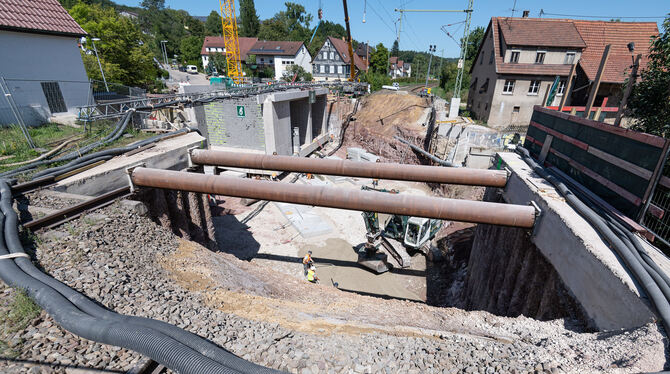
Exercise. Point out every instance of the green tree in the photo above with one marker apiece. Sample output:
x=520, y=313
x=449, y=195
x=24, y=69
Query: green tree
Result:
x=292, y=70
x=122, y=47
x=153, y=4
x=474, y=40
x=213, y=25
x=376, y=80
x=217, y=62
x=189, y=49
x=290, y=24
x=250, y=24
x=379, y=60
x=649, y=103
x=394, y=48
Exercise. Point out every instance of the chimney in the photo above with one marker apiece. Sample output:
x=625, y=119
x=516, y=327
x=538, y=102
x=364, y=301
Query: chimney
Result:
x=525, y=13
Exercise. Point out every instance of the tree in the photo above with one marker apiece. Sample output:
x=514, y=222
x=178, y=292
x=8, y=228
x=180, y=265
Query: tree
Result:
x=474, y=40
x=290, y=24
x=379, y=60
x=292, y=70
x=394, y=48
x=153, y=4
x=250, y=25
x=217, y=62
x=189, y=49
x=122, y=47
x=213, y=24
x=649, y=102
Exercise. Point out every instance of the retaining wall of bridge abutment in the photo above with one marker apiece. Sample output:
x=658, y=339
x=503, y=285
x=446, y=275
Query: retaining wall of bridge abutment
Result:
x=560, y=268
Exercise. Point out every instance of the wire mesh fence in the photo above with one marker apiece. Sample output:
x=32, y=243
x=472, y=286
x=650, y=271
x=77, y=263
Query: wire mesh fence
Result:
x=33, y=102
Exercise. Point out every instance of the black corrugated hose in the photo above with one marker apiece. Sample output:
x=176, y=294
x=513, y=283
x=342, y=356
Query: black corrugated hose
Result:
x=653, y=280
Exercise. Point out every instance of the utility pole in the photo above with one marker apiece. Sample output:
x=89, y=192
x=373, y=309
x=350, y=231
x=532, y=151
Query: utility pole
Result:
x=439, y=71
x=402, y=11
x=431, y=49
x=455, y=103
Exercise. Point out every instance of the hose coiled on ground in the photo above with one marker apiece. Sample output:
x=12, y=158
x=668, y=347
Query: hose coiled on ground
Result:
x=165, y=343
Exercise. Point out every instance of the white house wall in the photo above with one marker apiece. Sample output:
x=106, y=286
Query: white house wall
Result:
x=29, y=59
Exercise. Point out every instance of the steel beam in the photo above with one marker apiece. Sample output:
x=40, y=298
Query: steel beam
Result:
x=413, y=173
x=341, y=198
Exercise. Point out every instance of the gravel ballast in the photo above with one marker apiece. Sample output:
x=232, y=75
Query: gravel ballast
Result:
x=118, y=259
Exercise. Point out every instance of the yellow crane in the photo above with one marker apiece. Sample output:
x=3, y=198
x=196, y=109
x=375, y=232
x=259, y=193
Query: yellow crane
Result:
x=230, y=40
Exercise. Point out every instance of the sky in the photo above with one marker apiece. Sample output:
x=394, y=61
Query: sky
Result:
x=419, y=30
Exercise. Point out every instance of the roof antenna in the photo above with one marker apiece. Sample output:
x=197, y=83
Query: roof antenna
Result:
x=365, y=6
x=513, y=8
x=541, y=12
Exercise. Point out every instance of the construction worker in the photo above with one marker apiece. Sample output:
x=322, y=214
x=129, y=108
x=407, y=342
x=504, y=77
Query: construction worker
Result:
x=311, y=275
x=307, y=262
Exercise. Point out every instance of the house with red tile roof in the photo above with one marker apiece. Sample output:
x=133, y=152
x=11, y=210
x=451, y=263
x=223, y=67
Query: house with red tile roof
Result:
x=333, y=62
x=520, y=58
x=278, y=55
x=41, y=62
x=281, y=54
x=399, y=68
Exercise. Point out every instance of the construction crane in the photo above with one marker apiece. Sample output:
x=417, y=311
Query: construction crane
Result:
x=352, y=73
x=230, y=39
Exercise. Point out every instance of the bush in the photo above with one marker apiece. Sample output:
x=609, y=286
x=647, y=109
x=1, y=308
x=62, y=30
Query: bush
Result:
x=376, y=80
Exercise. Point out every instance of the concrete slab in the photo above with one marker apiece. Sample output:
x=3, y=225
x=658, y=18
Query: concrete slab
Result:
x=587, y=266
x=168, y=154
x=304, y=219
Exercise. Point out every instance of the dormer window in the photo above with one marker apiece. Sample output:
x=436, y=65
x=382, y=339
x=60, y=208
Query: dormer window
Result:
x=569, y=58
x=539, y=58
x=514, y=57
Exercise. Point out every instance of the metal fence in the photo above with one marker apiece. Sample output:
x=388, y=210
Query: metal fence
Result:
x=657, y=215
x=33, y=102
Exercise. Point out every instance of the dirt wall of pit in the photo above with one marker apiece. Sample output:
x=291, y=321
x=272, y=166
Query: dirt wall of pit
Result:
x=508, y=276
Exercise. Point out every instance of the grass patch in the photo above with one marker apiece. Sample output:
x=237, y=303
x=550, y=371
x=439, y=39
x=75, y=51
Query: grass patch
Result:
x=12, y=141
x=22, y=310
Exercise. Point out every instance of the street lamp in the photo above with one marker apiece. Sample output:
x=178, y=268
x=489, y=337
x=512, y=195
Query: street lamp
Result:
x=99, y=64
x=431, y=49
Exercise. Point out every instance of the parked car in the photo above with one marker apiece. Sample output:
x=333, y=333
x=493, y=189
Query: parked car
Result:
x=182, y=68
x=192, y=69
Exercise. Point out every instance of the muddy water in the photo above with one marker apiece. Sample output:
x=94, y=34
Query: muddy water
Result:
x=336, y=263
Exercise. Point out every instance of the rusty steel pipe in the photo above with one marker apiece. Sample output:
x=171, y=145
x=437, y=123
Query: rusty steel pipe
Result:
x=341, y=198
x=413, y=173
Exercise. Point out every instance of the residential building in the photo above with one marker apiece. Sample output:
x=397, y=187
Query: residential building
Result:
x=398, y=68
x=281, y=54
x=216, y=44
x=520, y=58
x=41, y=63
x=332, y=62
x=128, y=14
x=364, y=51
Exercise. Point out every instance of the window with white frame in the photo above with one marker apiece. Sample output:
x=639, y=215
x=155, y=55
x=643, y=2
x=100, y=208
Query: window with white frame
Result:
x=322, y=69
x=339, y=69
x=569, y=58
x=325, y=55
x=332, y=69
x=561, y=88
x=514, y=56
x=508, y=87
x=332, y=55
x=534, y=87
x=539, y=57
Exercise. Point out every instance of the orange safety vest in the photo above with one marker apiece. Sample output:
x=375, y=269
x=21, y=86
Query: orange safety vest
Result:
x=307, y=259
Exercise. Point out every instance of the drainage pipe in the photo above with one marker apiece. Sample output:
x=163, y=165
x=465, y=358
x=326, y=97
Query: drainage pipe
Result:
x=427, y=154
x=413, y=173
x=342, y=198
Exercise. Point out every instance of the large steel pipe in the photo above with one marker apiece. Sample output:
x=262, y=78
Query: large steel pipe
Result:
x=414, y=173
x=342, y=198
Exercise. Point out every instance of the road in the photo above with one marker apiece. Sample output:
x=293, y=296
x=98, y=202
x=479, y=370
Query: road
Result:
x=180, y=76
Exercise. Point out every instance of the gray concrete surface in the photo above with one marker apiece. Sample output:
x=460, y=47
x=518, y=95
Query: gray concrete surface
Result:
x=587, y=266
x=168, y=154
